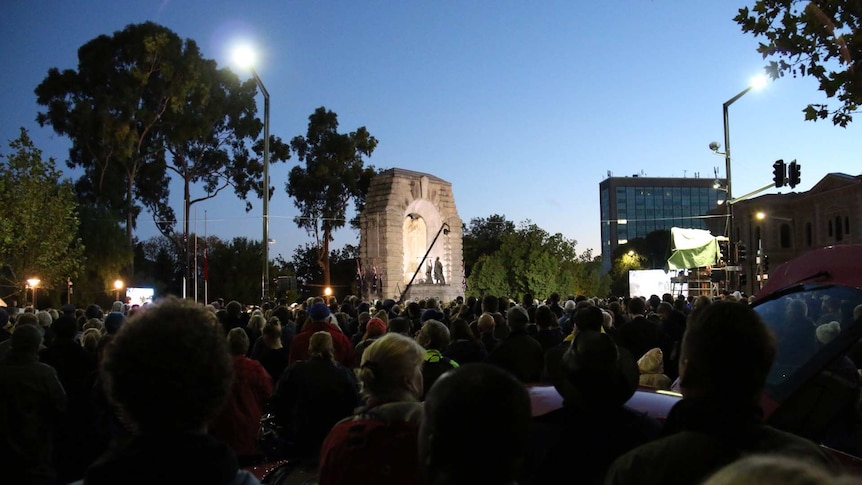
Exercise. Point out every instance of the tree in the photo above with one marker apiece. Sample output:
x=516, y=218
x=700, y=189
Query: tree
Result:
x=332, y=177
x=111, y=108
x=813, y=38
x=208, y=143
x=588, y=277
x=529, y=260
x=627, y=257
x=106, y=253
x=143, y=103
x=39, y=227
x=483, y=236
x=159, y=265
x=309, y=274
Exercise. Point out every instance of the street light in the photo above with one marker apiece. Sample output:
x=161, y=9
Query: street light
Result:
x=118, y=285
x=244, y=56
x=756, y=83
x=33, y=283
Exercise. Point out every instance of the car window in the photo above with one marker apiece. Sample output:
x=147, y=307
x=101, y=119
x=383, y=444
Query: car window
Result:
x=812, y=328
x=814, y=382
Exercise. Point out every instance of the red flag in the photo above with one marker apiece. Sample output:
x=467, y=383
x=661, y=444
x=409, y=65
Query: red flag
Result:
x=206, y=265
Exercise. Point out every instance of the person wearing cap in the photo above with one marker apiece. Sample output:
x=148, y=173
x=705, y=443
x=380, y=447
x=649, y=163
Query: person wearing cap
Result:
x=593, y=427
x=319, y=320
x=374, y=329
x=727, y=353
x=32, y=400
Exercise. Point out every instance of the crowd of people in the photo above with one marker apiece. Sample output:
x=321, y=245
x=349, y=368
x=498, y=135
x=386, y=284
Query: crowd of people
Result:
x=385, y=392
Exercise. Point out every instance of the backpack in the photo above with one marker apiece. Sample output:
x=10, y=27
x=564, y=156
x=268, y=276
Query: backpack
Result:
x=378, y=446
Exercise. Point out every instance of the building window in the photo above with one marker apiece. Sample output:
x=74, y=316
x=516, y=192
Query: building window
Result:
x=785, y=236
x=846, y=225
x=839, y=232
x=808, y=234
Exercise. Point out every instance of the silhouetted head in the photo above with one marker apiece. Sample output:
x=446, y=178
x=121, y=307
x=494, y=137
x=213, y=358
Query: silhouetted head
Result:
x=475, y=426
x=727, y=352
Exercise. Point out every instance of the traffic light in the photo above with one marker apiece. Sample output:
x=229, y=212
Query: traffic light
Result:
x=740, y=252
x=765, y=261
x=743, y=279
x=779, y=173
x=794, y=174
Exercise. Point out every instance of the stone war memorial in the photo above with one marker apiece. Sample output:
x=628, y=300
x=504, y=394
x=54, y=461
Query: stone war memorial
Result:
x=410, y=239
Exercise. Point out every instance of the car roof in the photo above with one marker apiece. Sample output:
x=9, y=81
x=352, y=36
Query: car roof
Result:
x=840, y=265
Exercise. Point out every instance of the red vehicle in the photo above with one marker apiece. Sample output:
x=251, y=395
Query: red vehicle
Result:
x=805, y=394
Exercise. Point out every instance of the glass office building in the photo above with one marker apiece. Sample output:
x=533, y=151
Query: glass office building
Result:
x=633, y=207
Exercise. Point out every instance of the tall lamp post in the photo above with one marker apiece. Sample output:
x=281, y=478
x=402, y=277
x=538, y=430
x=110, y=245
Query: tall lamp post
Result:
x=245, y=56
x=756, y=83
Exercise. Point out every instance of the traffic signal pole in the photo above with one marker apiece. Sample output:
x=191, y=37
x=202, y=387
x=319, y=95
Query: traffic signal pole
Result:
x=750, y=194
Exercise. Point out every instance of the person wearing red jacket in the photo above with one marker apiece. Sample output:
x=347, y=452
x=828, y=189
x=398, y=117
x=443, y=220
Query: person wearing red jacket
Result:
x=318, y=320
x=239, y=420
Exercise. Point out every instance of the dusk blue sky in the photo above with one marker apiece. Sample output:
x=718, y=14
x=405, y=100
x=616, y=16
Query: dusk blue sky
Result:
x=523, y=106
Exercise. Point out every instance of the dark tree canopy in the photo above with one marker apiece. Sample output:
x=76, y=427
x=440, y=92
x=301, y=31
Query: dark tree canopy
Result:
x=309, y=274
x=144, y=103
x=39, y=222
x=528, y=259
x=819, y=38
x=484, y=236
x=333, y=175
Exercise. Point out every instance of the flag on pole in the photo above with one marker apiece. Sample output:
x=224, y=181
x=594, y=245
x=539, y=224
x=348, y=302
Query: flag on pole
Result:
x=206, y=265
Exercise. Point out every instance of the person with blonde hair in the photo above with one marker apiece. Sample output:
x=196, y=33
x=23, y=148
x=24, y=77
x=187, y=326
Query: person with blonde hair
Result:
x=254, y=329
x=94, y=323
x=380, y=442
x=90, y=341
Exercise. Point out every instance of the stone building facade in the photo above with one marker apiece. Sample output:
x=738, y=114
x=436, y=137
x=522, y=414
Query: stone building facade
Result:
x=783, y=226
x=409, y=221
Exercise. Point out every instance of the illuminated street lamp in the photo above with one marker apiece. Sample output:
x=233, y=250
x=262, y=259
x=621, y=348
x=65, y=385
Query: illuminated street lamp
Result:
x=244, y=56
x=757, y=82
x=118, y=285
x=33, y=283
